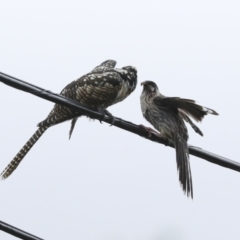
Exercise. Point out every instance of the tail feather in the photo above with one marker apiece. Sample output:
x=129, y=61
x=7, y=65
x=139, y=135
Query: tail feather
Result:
x=72, y=126
x=187, y=119
x=183, y=166
x=196, y=111
x=22, y=153
x=58, y=115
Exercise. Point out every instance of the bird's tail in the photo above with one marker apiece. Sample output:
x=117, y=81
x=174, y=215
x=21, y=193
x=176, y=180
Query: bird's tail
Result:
x=183, y=165
x=72, y=126
x=22, y=153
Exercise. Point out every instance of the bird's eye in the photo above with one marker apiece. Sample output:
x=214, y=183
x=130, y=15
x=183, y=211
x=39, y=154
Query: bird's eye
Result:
x=152, y=88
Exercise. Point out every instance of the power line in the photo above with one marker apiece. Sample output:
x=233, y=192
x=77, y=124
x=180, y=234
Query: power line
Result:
x=17, y=232
x=128, y=126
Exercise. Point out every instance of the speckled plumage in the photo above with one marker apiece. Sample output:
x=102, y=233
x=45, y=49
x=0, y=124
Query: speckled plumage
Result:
x=104, y=86
x=167, y=115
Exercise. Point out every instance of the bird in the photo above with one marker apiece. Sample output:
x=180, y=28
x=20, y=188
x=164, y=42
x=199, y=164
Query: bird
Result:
x=103, y=67
x=167, y=115
x=104, y=86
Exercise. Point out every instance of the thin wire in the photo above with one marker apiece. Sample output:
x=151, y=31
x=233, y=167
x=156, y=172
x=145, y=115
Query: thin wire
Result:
x=120, y=123
x=17, y=232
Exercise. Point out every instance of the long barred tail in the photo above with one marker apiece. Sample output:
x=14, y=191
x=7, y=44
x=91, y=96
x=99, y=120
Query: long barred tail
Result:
x=183, y=165
x=22, y=153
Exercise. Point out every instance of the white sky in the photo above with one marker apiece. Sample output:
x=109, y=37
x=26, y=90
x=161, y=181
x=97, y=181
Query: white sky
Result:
x=107, y=183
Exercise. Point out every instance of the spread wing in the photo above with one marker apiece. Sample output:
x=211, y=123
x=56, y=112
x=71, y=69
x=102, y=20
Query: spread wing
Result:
x=197, y=112
x=185, y=117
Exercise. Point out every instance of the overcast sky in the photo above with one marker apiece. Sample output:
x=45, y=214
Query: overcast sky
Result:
x=106, y=183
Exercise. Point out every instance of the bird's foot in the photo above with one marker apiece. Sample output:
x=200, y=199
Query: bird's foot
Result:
x=106, y=112
x=103, y=115
x=150, y=131
x=156, y=133
x=111, y=116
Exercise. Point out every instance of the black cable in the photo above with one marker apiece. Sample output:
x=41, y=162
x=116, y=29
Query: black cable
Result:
x=128, y=126
x=17, y=232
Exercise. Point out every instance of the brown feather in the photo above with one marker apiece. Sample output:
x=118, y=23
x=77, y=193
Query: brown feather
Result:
x=197, y=112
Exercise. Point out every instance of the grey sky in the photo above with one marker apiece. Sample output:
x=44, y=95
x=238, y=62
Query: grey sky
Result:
x=107, y=183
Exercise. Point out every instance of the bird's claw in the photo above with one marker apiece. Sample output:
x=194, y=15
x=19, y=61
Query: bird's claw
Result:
x=103, y=117
x=106, y=112
x=160, y=135
x=150, y=131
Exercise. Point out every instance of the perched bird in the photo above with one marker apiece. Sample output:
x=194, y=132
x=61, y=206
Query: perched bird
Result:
x=103, y=67
x=104, y=86
x=167, y=115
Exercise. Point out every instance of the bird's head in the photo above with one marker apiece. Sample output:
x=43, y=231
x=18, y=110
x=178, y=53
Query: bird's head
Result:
x=150, y=88
x=131, y=76
x=132, y=71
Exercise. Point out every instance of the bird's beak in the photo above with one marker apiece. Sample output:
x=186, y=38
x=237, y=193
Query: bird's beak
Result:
x=143, y=83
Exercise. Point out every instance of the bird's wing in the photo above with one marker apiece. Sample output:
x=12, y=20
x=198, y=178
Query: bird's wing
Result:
x=185, y=117
x=106, y=65
x=162, y=104
x=188, y=106
x=69, y=90
x=98, y=90
x=92, y=90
